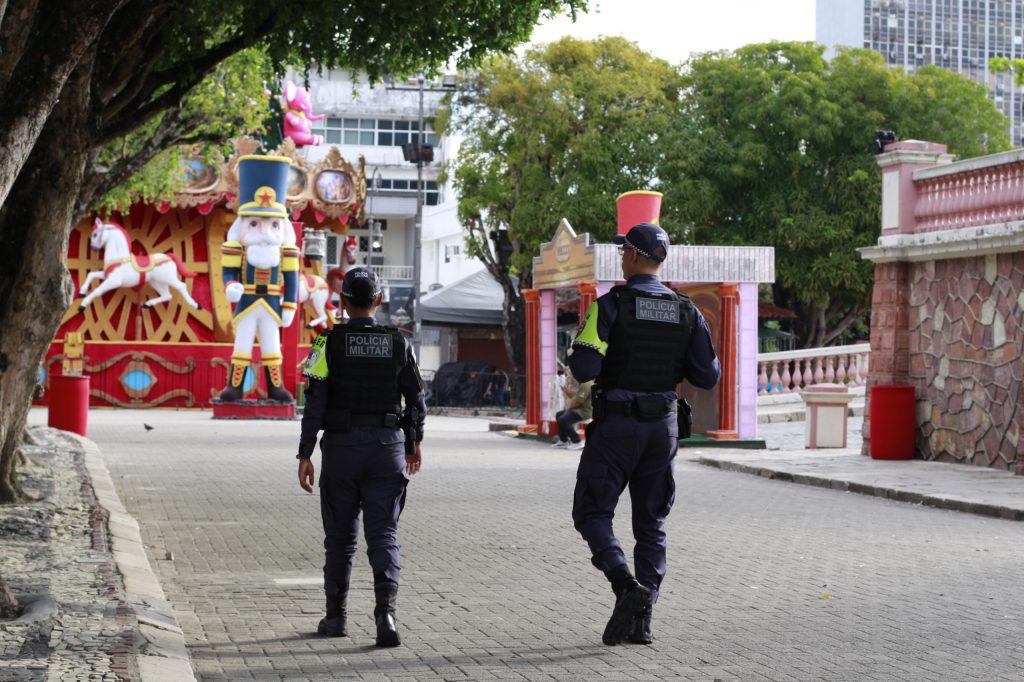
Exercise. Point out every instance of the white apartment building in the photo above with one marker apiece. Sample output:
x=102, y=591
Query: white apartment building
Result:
x=960, y=35
x=375, y=121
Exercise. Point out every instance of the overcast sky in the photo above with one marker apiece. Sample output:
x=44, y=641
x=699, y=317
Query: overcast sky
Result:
x=672, y=29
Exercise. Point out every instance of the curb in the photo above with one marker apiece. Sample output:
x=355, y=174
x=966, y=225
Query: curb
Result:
x=896, y=494
x=162, y=655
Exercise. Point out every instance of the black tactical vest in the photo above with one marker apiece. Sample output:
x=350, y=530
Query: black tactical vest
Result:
x=363, y=370
x=648, y=341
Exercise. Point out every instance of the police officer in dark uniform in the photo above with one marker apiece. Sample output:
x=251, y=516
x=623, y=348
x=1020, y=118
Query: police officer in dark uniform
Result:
x=639, y=341
x=358, y=374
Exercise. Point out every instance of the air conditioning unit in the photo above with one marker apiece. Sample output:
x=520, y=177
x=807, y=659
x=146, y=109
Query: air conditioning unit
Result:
x=375, y=259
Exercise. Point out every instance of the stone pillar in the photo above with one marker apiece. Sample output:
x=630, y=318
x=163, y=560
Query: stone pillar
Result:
x=899, y=194
x=533, y=369
x=889, y=361
x=730, y=296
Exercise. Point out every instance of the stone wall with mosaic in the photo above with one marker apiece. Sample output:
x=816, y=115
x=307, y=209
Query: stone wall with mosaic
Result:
x=947, y=309
x=966, y=333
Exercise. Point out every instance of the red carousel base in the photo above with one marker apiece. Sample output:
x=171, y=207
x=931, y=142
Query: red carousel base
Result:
x=253, y=409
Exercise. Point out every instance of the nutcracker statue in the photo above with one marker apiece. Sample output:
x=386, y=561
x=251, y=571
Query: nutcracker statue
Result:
x=261, y=264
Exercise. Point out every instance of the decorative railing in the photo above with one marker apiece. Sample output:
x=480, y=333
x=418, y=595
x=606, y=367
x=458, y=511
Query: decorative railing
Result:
x=790, y=371
x=394, y=273
x=979, y=191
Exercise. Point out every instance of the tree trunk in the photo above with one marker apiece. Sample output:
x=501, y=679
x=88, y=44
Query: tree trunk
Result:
x=35, y=288
x=60, y=41
x=513, y=331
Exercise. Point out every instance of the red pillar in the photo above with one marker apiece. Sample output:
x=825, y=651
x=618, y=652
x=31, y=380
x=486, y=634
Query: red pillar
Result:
x=290, y=335
x=290, y=355
x=730, y=299
x=533, y=369
x=588, y=293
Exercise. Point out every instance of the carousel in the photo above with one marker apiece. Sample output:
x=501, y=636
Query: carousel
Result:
x=158, y=314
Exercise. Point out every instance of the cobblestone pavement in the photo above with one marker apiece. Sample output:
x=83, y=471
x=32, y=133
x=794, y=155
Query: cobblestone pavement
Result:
x=54, y=548
x=767, y=581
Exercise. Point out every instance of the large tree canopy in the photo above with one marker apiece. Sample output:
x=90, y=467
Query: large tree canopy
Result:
x=558, y=133
x=93, y=91
x=775, y=148
x=768, y=145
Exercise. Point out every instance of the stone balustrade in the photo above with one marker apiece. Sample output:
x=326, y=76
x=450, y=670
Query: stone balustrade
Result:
x=981, y=191
x=791, y=371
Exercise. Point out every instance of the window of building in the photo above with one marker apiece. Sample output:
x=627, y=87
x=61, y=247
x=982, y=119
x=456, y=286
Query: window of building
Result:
x=363, y=236
x=373, y=132
x=431, y=192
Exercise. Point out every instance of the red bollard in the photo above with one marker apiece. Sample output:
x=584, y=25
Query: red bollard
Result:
x=69, y=403
x=893, y=427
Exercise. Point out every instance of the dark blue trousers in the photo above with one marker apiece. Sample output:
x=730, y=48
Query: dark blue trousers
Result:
x=361, y=472
x=622, y=451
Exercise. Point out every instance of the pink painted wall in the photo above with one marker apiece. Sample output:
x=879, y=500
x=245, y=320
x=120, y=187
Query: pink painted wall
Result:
x=548, y=347
x=746, y=362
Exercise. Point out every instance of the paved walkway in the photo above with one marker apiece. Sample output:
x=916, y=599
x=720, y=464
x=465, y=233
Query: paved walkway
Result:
x=768, y=581
x=958, y=487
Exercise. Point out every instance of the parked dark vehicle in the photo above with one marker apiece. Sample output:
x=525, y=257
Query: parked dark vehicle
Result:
x=461, y=384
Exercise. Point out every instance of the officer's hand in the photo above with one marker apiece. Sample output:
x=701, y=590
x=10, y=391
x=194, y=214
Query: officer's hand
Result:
x=233, y=292
x=306, y=474
x=287, y=316
x=413, y=461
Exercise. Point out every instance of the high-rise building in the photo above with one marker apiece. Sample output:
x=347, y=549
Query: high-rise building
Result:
x=960, y=35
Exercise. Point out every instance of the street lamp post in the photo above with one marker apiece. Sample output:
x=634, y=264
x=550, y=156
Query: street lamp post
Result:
x=418, y=235
x=418, y=152
x=372, y=225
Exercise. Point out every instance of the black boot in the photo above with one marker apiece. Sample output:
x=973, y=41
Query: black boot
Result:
x=384, y=615
x=275, y=387
x=641, y=633
x=232, y=393
x=333, y=623
x=633, y=601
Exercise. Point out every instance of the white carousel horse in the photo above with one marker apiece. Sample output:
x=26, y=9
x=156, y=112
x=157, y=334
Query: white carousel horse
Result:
x=122, y=268
x=313, y=288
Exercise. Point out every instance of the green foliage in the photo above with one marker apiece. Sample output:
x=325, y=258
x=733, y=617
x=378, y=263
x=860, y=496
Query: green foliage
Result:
x=774, y=149
x=768, y=145
x=202, y=42
x=231, y=101
x=368, y=36
x=558, y=133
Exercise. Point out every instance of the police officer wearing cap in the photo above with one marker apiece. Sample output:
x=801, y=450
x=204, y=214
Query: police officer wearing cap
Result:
x=358, y=375
x=639, y=341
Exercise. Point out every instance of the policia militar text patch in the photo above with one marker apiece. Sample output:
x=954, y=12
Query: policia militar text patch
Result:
x=368, y=345
x=657, y=310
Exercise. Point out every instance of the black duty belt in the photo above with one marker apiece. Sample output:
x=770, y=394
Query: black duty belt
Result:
x=343, y=421
x=389, y=420
x=641, y=407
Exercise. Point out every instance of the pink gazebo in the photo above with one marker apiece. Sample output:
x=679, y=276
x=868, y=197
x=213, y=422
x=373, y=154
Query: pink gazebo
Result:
x=721, y=280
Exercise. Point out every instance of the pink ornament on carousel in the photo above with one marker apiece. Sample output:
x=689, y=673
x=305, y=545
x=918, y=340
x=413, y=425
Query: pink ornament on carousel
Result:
x=298, y=116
